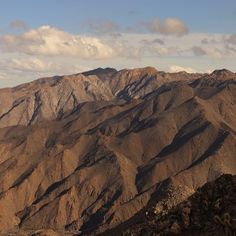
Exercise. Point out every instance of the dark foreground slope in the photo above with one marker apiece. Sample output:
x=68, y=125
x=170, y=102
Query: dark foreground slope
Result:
x=85, y=153
x=209, y=211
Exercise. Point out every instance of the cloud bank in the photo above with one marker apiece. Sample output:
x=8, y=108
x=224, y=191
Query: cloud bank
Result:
x=167, y=45
x=50, y=41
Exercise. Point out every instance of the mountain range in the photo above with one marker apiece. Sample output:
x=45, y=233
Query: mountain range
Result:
x=82, y=154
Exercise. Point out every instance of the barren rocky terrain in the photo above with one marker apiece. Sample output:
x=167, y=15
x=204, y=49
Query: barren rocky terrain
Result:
x=84, y=153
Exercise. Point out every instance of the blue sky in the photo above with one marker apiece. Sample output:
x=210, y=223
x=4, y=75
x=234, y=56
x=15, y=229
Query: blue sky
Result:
x=170, y=35
x=202, y=16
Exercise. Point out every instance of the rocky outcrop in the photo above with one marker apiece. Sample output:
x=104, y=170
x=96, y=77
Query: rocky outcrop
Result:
x=209, y=211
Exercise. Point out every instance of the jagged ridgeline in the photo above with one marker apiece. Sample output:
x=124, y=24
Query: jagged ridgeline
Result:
x=85, y=153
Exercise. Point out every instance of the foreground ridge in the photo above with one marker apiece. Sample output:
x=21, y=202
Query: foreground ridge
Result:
x=209, y=211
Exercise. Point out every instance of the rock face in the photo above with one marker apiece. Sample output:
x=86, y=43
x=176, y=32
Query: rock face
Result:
x=85, y=153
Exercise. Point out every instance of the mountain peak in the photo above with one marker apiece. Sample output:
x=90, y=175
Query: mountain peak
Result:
x=223, y=73
x=143, y=70
x=100, y=71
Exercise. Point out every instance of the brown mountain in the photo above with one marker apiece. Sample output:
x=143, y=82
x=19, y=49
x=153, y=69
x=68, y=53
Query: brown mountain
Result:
x=85, y=153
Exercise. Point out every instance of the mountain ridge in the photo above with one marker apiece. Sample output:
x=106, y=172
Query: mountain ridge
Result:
x=85, y=153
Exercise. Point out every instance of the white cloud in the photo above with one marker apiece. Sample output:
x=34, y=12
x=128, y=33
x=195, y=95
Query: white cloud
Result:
x=41, y=67
x=50, y=41
x=47, y=51
x=230, y=49
x=159, y=51
x=214, y=52
x=175, y=68
x=3, y=76
x=28, y=65
x=168, y=26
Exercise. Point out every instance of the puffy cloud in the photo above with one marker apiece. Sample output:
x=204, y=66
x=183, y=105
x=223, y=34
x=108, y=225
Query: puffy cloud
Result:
x=175, y=68
x=169, y=26
x=50, y=41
